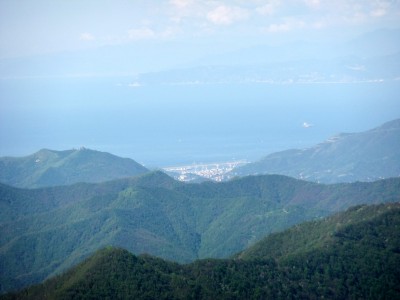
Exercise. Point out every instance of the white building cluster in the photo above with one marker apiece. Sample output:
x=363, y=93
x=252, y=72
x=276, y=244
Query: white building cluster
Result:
x=212, y=171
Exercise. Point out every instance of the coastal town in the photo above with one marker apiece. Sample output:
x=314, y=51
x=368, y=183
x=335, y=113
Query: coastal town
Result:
x=218, y=171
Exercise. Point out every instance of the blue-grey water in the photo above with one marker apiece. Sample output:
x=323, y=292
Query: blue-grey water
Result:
x=164, y=125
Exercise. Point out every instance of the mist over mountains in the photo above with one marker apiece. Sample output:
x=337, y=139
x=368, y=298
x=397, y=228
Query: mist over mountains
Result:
x=299, y=62
x=365, y=57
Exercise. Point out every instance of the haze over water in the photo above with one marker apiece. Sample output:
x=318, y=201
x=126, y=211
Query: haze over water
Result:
x=246, y=122
x=178, y=82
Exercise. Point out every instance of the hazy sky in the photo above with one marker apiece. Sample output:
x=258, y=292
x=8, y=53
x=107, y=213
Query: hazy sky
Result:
x=42, y=26
x=71, y=75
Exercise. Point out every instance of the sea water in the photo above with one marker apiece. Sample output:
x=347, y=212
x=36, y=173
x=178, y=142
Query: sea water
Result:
x=167, y=125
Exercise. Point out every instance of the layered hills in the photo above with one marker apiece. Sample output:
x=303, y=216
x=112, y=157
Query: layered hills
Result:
x=45, y=231
x=347, y=157
x=350, y=255
x=51, y=168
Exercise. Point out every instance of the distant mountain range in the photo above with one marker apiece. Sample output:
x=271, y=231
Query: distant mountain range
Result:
x=45, y=231
x=354, y=254
x=367, y=57
x=373, y=57
x=347, y=157
x=51, y=168
x=339, y=70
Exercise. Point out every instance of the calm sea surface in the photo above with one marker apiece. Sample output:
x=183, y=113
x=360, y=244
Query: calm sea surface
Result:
x=170, y=125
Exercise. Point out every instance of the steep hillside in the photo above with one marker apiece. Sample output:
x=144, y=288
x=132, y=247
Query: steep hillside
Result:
x=350, y=157
x=352, y=255
x=52, y=168
x=362, y=222
x=45, y=231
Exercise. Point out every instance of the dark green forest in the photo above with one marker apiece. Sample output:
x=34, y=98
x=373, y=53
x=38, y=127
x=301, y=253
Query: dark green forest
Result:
x=350, y=255
x=43, y=232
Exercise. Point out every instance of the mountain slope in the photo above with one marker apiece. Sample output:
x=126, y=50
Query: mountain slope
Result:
x=110, y=272
x=45, y=231
x=364, y=156
x=51, y=168
x=358, y=259
x=311, y=236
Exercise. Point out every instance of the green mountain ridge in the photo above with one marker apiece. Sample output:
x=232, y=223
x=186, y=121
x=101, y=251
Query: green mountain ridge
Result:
x=51, y=168
x=347, y=157
x=313, y=235
x=351, y=255
x=45, y=231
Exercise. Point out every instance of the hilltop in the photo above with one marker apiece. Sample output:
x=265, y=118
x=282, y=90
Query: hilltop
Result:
x=52, y=168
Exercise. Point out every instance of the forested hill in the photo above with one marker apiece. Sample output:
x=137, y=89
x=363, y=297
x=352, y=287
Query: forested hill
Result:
x=376, y=224
x=52, y=168
x=347, y=157
x=351, y=255
x=45, y=231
